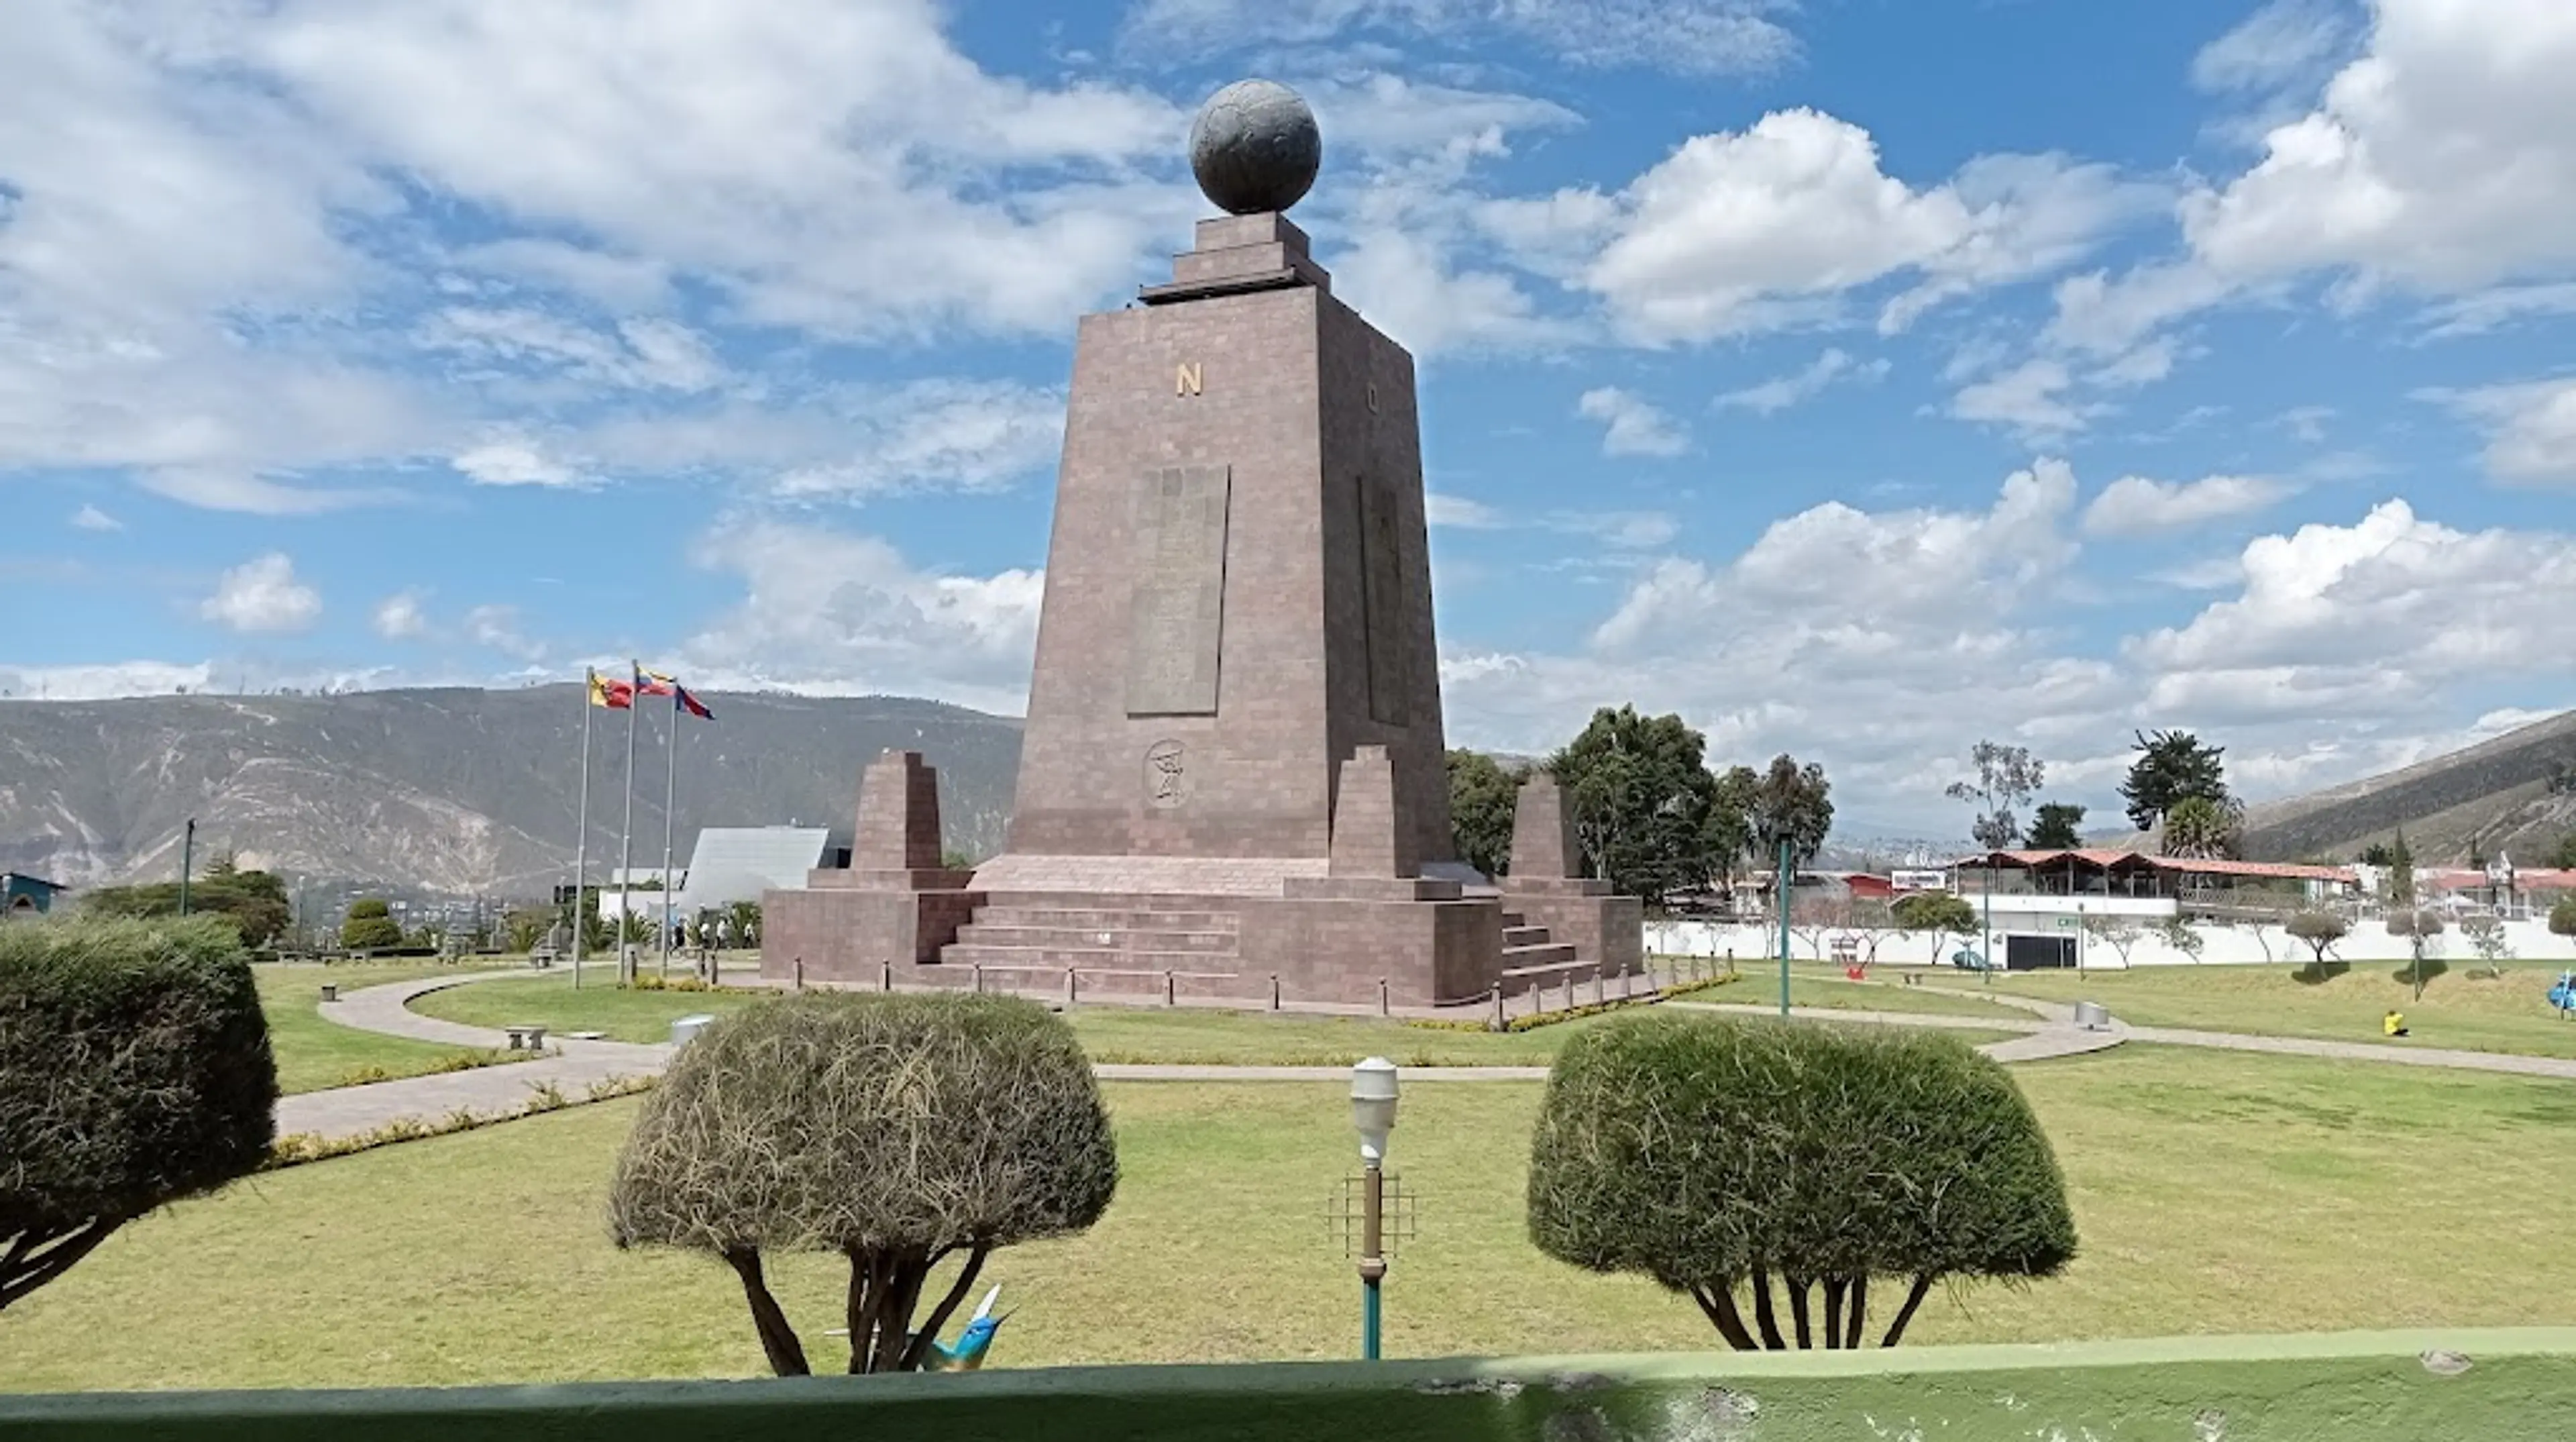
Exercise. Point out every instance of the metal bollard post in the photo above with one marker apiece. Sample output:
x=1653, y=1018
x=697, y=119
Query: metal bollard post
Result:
x=1500, y=1021
x=1274, y=991
x=1168, y=997
x=885, y=976
x=1382, y=1008
x=800, y=973
x=1069, y=986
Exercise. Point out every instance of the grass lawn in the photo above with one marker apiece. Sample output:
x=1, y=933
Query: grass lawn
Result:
x=2215, y=1193
x=1812, y=985
x=1144, y=1034
x=313, y=1054
x=2473, y=1013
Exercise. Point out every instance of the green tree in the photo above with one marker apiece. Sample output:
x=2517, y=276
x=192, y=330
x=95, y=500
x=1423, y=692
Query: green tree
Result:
x=1641, y=794
x=2376, y=854
x=2564, y=857
x=2120, y=933
x=2172, y=767
x=2182, y=936
x=1483, y=795
x=2486, y=935
x=745, y=916
x=253, y=902
x=2198, y=826
x=2404, y=916
x=2006, y=779
x=1934, y=912
x=1793, y=803
x=2319, y=929
x=134, y=1072
x=1730, y=822
x=898, y=1131
x=2057, y=826
x=370, y=926
x=2562, y=916
x=1738, y=1161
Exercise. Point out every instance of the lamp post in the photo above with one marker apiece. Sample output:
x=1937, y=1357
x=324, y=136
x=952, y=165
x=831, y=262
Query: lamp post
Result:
x=187, y=863
x=1373, y=1114
x=1787, y=880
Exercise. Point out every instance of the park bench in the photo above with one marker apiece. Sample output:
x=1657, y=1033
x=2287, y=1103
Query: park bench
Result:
x=526, y=1036
x=542, y=958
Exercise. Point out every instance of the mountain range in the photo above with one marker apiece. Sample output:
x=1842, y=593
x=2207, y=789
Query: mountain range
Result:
x=451, y=792
x=2513, y=794
x=457, y=792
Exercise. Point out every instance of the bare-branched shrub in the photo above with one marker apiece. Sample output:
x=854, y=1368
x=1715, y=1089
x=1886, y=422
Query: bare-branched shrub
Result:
x=896, y=1130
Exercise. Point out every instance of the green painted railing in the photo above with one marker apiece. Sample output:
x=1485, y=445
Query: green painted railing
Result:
x=2452, y=1386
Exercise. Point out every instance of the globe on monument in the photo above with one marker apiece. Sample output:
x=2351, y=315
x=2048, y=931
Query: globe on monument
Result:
x=1255, y=147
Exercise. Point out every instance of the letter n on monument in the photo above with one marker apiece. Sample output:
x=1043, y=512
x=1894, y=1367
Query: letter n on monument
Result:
x=1176, y=638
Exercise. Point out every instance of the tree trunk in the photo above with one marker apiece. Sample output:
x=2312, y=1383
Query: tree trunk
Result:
x=1719, y=1304
x=1913, y=1299
x=1798, y=1310
x=24, y=1268
x=777, y=1339
x=1859, y=1308
x=919, y=1350
x=1833, y=1313
x=1763, y=1316
x=905, y=1274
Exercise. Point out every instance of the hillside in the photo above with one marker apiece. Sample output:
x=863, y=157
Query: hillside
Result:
x=449, y=791
x=2496, y=796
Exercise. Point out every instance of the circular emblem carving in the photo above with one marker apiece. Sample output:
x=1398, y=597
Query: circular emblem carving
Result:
x=1167, y=777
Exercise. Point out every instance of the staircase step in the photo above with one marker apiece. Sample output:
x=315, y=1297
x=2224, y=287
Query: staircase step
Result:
x=1548, y=954
x=1056, y=958
x=1107, y=918
x=1088, y=938
x=1515, y=934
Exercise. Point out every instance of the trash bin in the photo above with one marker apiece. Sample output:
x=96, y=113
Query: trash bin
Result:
x=687, y=1027
x=2090, y=1016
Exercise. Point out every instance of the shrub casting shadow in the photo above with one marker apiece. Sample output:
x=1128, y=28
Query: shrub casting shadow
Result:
x=2318, y=973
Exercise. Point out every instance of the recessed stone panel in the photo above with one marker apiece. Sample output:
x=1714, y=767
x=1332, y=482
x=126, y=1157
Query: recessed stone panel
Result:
x=1177, y=607
x=1390, y=668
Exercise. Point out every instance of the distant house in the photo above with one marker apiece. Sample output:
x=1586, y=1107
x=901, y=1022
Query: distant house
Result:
x=27, y=895
x=738, y=863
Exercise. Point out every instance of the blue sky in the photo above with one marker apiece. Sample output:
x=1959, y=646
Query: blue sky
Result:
x=1858, y=378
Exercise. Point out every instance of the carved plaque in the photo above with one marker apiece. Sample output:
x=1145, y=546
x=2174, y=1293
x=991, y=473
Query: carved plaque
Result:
x=1167, y=776
x=1382, y=573
x=1177, y=609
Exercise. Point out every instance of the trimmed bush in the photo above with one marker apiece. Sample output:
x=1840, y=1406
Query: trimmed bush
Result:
x=1719, y=1157
x=897, y=1130
x=134, y=1071
x=370, y=926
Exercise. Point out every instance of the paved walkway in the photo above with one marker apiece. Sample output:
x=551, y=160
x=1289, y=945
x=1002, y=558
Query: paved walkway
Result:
x=349, y=1111
x=576, y=1065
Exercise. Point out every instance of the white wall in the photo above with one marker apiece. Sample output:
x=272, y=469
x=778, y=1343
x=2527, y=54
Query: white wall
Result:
x=2220, y=945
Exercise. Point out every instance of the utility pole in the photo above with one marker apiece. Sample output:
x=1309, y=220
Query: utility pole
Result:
x=1784, y=880
x=187, y=862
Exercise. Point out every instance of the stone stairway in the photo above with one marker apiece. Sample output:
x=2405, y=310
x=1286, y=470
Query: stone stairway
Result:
x=1527, y=945
x=1099, y=933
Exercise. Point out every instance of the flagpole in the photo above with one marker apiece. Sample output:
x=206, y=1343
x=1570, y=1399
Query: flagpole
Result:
x=581, y=842
x=670, y=791
x=626, y=830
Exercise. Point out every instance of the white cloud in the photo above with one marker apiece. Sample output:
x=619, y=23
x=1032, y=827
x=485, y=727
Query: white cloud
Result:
x=399, y=617
x=262, y=595
x=1634, y=426
x=642, y=352
x=2283, y=41
x=219, y=488
x=91, y=518
x=950, y=434
x=2531, y=428
x=1781, y=392
x=2442, y=159
x=1770, y=226
x=2366, y=620
x=2030, y=398
x=2136, y=506
x=1624, y=530
x=516, y=463
x=498, y=628
x=829, y=611
x=1690, y=37
x=1460, y=513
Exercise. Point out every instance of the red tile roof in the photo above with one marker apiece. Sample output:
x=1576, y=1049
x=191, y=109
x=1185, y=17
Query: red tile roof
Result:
x=2189, y=866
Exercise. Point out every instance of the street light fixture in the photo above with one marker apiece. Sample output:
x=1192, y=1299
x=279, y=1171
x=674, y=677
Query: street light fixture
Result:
x=1373, y=1093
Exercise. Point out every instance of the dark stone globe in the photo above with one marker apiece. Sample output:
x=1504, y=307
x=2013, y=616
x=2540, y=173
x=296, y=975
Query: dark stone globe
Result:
x=1255, y=147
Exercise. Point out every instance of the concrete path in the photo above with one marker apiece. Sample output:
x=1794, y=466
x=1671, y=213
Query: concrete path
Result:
x=2363, y=1051
x=2043, y=1040
x=350, y=1111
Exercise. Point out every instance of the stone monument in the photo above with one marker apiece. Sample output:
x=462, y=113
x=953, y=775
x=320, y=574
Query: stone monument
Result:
x=1233, y=777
